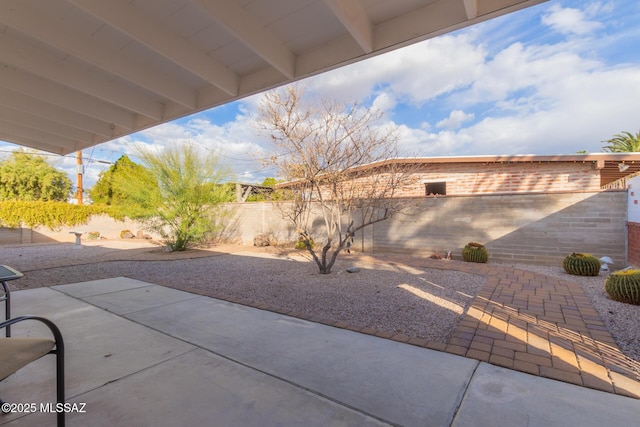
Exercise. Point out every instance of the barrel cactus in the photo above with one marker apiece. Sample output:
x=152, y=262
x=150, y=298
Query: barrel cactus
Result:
x=581, y=264
x=475, y=252
x=624, y=286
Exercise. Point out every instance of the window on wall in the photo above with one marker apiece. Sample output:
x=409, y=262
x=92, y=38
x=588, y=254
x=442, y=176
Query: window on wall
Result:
x=435, y=189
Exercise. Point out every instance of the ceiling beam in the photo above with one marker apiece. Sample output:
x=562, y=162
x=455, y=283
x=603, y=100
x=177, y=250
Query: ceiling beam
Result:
x=39, y=145
x=355, y=19
x=27, y=57
x=16, y=14
x=21, y=118
x=471, y=8
x=251, y=33
x=37, y=135
x=65, y=97
x=43, y=109
x=425, y=22
x=128, y=19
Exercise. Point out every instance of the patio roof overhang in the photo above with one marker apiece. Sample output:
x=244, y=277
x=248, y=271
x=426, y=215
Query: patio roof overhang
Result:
x=76, y=73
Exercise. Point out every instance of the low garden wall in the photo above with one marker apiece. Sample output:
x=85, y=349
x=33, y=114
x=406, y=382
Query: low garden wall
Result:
x=532, y=228
x=105, y=226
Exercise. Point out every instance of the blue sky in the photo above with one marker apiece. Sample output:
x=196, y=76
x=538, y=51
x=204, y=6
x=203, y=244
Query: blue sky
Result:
x=555, y=78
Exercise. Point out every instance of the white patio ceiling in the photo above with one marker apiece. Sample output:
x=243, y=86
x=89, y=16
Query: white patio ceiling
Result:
x=76, y=73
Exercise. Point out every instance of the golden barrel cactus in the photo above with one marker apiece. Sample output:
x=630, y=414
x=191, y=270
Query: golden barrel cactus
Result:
x=624, y=286
x=581, y=264
x=475, y=252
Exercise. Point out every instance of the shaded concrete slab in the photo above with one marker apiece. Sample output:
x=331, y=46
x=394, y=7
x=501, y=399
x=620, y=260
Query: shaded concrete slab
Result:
x=143, y=298
x=502, y=397
x=202, y=389
x=402, y=384
x=99, y=287
x=100, y=347
x=123, y=295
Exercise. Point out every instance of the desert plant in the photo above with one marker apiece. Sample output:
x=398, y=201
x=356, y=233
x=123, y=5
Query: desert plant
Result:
x=93, y=235
x=475, y=252
x=581, y=264
x=325, y=150
x=624, y=286
x=126, y=234
x=302, y=244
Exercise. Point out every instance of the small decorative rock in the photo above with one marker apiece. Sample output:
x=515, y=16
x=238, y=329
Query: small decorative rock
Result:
x=353, y=270
x=261, y=240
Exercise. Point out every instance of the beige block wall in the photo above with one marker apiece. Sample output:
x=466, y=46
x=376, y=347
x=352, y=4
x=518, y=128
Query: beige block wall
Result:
x=535, y=228
x=531, y=228
x=105, y=225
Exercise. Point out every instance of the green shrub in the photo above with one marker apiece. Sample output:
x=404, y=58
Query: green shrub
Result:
x=624, y=286
x=300, y=244
x=581, y=264
x=475, y=252
x=52, y=215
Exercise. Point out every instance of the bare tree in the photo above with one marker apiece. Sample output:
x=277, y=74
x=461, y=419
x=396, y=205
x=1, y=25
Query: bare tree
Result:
x=336, y=157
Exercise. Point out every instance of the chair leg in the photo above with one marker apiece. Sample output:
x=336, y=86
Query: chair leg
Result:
x=7, y=306
x=60, y=381
x=59, y=352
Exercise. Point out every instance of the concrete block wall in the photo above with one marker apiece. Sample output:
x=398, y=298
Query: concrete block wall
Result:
x=533, y=228
x=249, y=220
x=105, y=225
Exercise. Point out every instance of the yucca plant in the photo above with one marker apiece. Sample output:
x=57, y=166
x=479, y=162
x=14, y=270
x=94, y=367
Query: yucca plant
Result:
x=624, y=286
x=581, y=264
x=475, y=252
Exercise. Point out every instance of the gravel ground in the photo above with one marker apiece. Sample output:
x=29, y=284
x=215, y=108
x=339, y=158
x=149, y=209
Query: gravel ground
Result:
x=390, y=297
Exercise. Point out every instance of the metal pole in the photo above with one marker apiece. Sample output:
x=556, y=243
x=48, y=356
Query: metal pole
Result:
x=79, y=175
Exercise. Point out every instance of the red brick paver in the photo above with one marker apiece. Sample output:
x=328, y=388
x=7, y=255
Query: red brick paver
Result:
x=543, y=326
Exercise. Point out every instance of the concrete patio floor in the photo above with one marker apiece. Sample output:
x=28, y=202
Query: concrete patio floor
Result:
x=139, y=354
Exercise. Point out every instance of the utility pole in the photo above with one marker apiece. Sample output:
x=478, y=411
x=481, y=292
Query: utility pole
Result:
x=80, y=170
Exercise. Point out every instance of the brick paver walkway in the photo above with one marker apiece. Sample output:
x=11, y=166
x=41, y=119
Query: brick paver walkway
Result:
x=543, y=326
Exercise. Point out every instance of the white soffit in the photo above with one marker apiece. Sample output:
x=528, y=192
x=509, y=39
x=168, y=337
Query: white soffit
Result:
x=76, y=73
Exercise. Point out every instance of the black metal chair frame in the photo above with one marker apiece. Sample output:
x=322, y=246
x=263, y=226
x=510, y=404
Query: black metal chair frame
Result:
x=6, y=297
x=59, y=352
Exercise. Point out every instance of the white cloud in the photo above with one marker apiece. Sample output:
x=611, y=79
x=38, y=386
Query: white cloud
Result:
x=571, y=21
x=455, y=119
x=414, y=74
x=384, y=102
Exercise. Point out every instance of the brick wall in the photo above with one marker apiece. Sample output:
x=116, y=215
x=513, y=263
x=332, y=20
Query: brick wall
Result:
x=496, y=178
x=634, y=244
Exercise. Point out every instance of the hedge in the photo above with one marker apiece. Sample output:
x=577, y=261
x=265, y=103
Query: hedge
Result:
x=52, y=215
